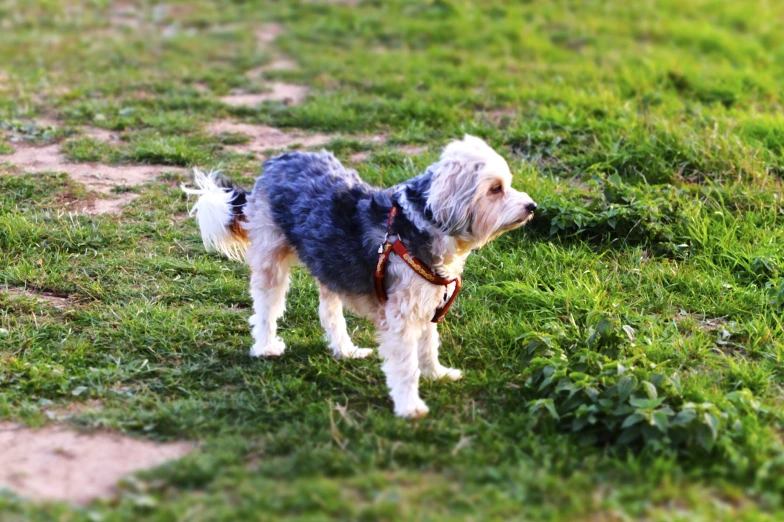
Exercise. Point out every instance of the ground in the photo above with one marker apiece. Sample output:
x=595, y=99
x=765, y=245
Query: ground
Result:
x=622, y=354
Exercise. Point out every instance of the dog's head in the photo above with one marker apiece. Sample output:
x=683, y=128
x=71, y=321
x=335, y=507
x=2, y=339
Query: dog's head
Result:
x=471, y=195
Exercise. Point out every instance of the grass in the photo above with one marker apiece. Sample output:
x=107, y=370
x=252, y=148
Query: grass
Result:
x=648, y=132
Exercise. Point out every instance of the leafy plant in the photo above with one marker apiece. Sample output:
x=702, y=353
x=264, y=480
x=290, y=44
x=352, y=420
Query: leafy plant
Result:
x=32, y=132
x=609, y=393
x=630, y=214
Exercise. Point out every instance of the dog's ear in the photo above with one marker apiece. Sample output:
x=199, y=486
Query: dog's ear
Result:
x=452, y=195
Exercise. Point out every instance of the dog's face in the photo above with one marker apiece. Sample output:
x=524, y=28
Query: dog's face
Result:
x=471, y=194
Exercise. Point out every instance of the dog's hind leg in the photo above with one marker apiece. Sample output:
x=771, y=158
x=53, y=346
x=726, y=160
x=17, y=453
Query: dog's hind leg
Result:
x=334, y=324
x=270, y=258
x=269, y=283
x=428, y=356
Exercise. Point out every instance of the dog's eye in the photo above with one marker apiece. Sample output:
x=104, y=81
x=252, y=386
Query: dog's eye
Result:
x=497, y=189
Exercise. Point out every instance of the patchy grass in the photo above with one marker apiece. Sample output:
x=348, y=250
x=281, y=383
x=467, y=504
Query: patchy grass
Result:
x=650, y=284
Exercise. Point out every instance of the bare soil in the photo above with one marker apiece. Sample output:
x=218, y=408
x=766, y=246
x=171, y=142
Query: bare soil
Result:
x=100, y=134
x=267, y=33
x=95, y=176
x=263, y=138
x=63, y=412
x=277, y=64
x=350, y=3
x=288, y=93
x=125, y=14
x=54, y=463
x=58, y=301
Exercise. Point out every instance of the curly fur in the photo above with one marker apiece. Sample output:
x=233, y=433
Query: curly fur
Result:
x=308, y=208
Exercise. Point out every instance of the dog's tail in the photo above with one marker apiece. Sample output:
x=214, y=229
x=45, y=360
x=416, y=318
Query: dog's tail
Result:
x=219, y=212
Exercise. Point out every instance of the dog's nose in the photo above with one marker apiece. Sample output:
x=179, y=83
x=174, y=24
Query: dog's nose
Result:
x=530, y=207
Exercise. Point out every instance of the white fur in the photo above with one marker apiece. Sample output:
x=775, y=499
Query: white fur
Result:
x=213, y=213
x=458, y=195
x=334, y=324
x=427, y=351
x=270, y=259
x=408, y=340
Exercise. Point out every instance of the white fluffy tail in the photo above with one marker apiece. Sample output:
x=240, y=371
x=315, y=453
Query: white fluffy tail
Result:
x=218, y=212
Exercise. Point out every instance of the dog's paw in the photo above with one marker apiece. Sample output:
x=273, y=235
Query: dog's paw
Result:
x=253, y=319
x=415, y=409
x=273, y=349
x=442, y=372
x=354, y=353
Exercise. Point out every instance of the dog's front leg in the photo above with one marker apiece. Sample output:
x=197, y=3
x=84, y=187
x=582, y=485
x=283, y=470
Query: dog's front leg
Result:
x=334, y=323
x=398, y=347
x=428, y=356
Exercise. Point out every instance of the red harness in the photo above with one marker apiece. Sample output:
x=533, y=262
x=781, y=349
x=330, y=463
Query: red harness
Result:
x=387, y=247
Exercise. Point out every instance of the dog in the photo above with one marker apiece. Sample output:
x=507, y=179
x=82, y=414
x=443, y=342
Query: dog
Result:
x=307, y=208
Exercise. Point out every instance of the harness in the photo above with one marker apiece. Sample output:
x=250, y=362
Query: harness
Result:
x=391, y=244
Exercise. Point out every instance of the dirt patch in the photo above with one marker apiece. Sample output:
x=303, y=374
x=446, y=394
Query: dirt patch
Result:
x=62, y=412
x=278, y=64
x=503, y=116
x=412, y=150
x=55, y=299
x=263, y=138
x=95, y=176
x=350, y=3
x=359, y=157
x=706, y=324
x=99, y=134
x=288, y=93
x=125, y=15
x=54, y=463
x=44, y=122
x=201, y=87
x=110, y=206
x=174, y=11
x=267, y=33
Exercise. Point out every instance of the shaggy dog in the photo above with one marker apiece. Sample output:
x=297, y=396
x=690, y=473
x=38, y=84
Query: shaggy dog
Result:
x=308, y=208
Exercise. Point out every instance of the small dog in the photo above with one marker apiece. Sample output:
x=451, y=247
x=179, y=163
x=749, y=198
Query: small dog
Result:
x=308, y=208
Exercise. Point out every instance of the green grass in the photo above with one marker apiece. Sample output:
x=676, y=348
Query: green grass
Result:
x=650, y=134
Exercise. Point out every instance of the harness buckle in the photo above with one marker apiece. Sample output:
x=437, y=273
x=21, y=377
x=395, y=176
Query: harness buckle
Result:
x=384, y=242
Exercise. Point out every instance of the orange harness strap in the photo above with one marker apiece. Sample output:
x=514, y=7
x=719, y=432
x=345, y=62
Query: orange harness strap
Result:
x=384, y=251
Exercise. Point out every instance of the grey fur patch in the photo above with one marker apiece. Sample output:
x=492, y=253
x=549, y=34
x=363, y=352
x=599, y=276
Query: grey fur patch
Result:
x=336, y=222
